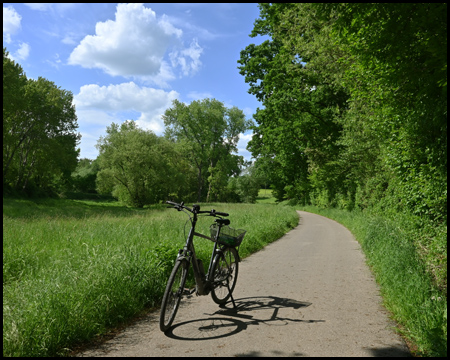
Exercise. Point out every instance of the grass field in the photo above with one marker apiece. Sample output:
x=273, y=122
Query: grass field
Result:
x=265, y=197
x=74, y=269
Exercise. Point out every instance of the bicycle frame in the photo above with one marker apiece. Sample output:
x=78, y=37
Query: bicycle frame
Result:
x=188, y=253
x=220, y=269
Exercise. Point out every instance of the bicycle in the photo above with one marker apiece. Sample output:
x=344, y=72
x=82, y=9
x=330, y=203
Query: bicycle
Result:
x=219, y=280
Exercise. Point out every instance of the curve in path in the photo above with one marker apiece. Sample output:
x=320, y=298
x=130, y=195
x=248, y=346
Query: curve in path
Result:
x=308, y=294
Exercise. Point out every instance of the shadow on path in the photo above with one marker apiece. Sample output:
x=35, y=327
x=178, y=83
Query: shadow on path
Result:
x=229, y=321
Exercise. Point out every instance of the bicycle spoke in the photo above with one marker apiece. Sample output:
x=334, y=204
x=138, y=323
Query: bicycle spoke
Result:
x=224, y=275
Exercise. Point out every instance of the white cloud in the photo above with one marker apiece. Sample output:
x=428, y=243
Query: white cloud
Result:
x=92, y=124
x=99, y=106
x=11, y=23
x=55, y=62
x=69, y=39
x=188, y=67
x=151, y=121
x=50, y=6
x=195, y=95
x=88, y=118
x=89, y=140
x=39, y=6
x=134, y=45
x=242, y=145
x=93, y=102
x=22, y=52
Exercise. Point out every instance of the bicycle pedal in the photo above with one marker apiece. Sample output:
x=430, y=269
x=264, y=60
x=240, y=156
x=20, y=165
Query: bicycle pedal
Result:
x=187, y=291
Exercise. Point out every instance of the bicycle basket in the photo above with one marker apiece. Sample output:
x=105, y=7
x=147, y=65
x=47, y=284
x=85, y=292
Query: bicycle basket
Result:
x=228, y=236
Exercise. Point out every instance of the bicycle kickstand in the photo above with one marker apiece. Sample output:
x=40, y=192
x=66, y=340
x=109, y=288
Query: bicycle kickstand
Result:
x=231, y=295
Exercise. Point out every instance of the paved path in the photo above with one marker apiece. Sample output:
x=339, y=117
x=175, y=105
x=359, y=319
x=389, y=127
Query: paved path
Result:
x=308, y=294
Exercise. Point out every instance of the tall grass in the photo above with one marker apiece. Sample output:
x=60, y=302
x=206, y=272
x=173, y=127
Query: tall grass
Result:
x=73, y=269
x=407, y=288
x=265, y=197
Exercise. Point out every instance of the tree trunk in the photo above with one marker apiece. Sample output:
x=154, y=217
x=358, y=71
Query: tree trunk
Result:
x=200, y=184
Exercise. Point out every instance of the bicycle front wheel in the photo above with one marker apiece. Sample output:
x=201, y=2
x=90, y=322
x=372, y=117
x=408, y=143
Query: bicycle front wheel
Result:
x=173, y=294
x=224, y=275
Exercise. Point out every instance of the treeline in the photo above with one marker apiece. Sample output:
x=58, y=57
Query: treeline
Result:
x=39, y=133
x=355, y=113
x=194, y=161
x=355, y=104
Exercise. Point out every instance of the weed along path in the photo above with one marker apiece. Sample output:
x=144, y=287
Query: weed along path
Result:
x=308, y=294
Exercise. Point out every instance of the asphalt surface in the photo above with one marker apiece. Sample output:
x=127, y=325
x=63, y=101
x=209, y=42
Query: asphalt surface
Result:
x=310, y=293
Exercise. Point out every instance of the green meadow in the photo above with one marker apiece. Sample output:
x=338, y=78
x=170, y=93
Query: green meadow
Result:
x=76, y=269
x=265, y=197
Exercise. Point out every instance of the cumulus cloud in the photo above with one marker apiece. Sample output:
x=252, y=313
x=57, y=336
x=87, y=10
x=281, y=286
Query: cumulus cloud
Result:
x=11, y=23
x=134, y=45
x=22, y=52
x=93, y=103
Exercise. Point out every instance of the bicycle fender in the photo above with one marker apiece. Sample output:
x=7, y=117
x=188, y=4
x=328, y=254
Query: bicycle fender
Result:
x=238, y=258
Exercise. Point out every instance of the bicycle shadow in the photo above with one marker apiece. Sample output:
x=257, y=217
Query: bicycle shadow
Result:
x=232, y=321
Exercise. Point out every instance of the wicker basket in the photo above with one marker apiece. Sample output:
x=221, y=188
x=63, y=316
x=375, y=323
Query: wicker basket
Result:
x=228, y=236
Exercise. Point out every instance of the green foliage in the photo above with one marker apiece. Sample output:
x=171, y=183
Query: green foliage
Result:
x=85, y=175
x=299, y=127
x=395, y=71
x=75, y=269
x=245, y=187
x=355, y=117
x=39, y=132
x=209, y=133
x=140, y=168
x=351, y=91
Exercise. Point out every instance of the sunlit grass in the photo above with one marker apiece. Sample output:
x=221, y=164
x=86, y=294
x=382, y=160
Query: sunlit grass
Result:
x=265, y=197
x=73, y=269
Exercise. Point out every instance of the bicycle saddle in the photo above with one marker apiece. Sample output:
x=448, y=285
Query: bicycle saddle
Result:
x=223, y=221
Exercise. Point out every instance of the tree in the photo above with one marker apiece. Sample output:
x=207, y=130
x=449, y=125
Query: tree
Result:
x=39, y=131
x=85, y=175
x=247, y=185
x=355, y=102
x=14, y=82
x=396, y=73
x=298, y=129
x=210, y=132
x=138, y=167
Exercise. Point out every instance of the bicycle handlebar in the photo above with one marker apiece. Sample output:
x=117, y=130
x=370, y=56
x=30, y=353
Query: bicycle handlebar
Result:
x=195, y=209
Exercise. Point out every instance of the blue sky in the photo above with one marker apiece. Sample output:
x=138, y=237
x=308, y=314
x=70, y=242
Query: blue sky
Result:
x=129, y=61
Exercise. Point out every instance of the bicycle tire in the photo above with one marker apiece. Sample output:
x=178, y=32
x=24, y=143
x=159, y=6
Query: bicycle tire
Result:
x=224, y=272
x=173, y=294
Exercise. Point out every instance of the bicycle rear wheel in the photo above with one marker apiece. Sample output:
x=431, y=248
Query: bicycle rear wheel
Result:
x=224, y=275
x=173, y=294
